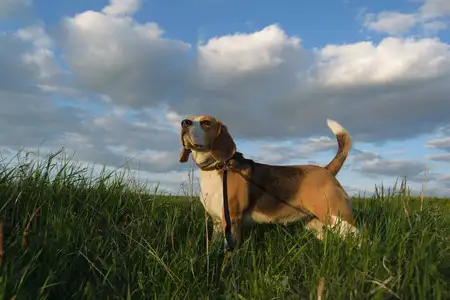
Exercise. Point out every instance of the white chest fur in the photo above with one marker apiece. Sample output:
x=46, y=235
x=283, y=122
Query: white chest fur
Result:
x=211, y=194
x=211, y=185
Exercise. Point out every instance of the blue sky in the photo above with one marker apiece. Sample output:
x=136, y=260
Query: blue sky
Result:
x=318, y=22
x=110, y=80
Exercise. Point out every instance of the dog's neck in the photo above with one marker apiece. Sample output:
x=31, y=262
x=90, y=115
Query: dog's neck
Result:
x=204, y=160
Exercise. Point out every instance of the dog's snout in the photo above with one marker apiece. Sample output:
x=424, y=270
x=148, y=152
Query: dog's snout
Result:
x=185, y=123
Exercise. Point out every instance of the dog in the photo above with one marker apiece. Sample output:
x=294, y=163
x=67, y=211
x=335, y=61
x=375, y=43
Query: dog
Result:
x=263, y=193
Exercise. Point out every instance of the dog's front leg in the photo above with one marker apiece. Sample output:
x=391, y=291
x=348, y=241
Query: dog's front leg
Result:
x=235, y=228
x=217, y=231
x=238, y=201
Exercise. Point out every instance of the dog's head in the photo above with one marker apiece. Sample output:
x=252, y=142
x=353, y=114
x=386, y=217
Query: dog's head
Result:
x=205, y=134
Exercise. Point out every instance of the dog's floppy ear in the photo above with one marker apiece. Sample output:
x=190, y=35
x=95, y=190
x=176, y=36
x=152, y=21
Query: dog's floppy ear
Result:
x=184, y=155
x=223, y=146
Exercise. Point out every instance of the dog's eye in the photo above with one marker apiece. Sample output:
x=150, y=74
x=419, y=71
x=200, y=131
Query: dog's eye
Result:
x=206, y=122
x=186, y=122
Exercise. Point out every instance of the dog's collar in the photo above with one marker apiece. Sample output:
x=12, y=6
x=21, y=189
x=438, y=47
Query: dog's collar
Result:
x=208, y=164
x=212, y=164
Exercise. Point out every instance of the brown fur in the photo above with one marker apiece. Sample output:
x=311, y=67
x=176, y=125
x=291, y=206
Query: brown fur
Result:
x=223, y=146
x=280, y=194
x=344, y=145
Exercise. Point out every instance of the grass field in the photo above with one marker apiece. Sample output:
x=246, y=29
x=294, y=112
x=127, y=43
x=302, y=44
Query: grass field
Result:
x=66, y=234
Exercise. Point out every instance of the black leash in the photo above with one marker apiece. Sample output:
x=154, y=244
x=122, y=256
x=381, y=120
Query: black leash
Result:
x=228, y=234
x=226, y=210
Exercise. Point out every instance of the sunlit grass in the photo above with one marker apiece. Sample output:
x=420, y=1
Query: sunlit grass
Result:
x=69, y=234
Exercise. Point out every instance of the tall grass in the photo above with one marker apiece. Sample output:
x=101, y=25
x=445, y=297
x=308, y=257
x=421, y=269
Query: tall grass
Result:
x=68, y=234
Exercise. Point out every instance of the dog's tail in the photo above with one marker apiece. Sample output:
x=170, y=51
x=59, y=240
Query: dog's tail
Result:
x=344, y=145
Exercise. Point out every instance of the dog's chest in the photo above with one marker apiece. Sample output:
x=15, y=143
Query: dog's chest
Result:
x=211, y=194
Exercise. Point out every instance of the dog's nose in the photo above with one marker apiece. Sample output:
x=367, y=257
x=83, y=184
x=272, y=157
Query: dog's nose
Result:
x=185, y=123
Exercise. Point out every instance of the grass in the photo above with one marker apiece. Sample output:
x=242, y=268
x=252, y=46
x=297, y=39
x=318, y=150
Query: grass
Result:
x=70, y=235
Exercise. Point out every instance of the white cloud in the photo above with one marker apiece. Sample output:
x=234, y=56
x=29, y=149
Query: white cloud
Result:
x=118, y=136
x=390, y=22
x=393, y=59
x=36, y=35
x=345, y=82
x=435, y=8
x=122, y=7
x=174, y=119
x=427, y=17
x=41, y=55
x=263, y=78
x=433, y=27
x=130, y=62
x=443, y=143
x=240, y=53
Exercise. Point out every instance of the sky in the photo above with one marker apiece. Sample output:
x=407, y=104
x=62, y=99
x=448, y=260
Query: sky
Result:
x=110, y=81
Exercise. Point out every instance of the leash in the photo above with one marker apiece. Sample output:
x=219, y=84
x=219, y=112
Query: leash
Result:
x=228, y=234
x=226, y=209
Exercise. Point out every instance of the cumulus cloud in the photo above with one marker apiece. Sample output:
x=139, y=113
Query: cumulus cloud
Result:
x=343, y=81
x=113, y=89
x=118, y=136
x=263, y=84
x=41, y=54
x=428, y=17
x=247, y=54
x=130, y=62
x=121, y=7
x=391, y=22
x=365, y=63
x=98, y=132
x=443, y=144
x=435, y=8
x=111, y=138
x=14, y=73
x=432, y=27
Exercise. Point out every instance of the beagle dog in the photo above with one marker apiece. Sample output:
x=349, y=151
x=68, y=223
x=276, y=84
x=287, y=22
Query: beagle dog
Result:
x=263, y=193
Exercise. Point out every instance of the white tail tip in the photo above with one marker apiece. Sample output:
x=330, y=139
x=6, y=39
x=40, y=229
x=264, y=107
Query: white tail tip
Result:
x=335, y=127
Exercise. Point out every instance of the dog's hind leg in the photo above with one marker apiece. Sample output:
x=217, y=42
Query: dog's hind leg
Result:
x=316, y=227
